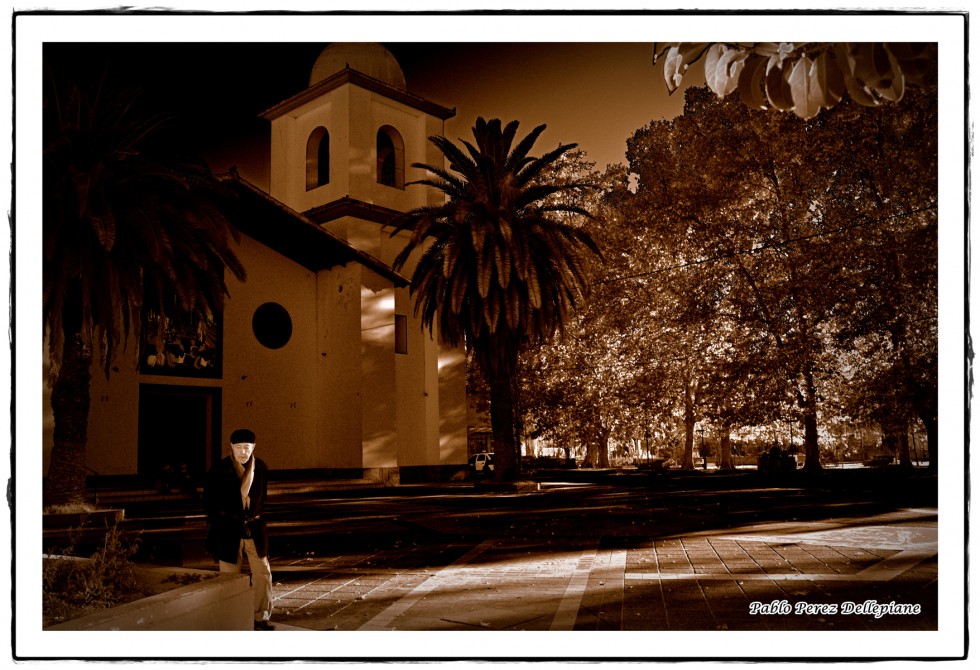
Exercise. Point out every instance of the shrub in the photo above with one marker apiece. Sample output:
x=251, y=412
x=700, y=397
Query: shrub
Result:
x=73, y=587
x=776, y=461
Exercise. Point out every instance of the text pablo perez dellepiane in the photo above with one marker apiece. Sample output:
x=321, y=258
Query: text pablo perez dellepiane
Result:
x=868, y=607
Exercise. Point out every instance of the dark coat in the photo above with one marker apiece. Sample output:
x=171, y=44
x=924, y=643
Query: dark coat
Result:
x=227, y=521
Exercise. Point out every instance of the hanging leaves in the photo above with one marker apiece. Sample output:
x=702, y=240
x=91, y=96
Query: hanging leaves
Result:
x=815, y=85
x=750, y=83
x=778, y=88
x=722, y=68
x=801, y=78
x=678, y=57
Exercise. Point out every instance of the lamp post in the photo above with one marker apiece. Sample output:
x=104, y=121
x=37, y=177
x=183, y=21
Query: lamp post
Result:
x=646, y=440
x=704, y=454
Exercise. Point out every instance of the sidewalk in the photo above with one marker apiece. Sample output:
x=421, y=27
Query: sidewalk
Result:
x=868, y=573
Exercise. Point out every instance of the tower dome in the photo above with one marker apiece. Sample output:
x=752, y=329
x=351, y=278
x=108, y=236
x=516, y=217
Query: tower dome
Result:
x=370, y=59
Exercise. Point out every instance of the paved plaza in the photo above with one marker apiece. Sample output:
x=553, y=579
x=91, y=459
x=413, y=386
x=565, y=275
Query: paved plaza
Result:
x=844, y=551
x=876, y=573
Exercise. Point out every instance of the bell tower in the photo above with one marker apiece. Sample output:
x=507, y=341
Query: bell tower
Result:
x=343, y=148
x=341, y=154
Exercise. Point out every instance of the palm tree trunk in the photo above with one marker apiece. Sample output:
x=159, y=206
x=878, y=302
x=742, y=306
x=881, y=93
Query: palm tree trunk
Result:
x=502, y=425
x=70, y=399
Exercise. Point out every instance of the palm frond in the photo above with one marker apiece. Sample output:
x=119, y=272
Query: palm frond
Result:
x=496, y=271
x=126, y=222
x=534, y=168
x=519, y=156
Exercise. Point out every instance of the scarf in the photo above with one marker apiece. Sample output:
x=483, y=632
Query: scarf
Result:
x=245, y=474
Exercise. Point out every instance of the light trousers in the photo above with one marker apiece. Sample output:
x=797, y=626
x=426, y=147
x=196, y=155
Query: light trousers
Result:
x=261, y=578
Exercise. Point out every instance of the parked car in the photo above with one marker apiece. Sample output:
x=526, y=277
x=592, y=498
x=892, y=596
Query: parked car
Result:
x=481, y=463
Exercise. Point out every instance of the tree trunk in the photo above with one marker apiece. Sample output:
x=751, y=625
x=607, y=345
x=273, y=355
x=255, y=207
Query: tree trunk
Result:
x=929, y=416
x=932, y=439
x=689, y=422
x=603, y=446
x=591, y=457
x=811, y=446
x=725, y=457
x=70, y=399
x=505, y=464
x=904, y=452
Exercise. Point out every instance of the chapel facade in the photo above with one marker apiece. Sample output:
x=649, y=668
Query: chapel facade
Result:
x=318, y=351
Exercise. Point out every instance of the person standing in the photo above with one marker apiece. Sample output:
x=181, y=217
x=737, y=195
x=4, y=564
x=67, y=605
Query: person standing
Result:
x=234, y=498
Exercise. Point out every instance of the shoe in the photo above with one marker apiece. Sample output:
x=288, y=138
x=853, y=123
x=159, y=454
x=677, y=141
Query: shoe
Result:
x=263, y=625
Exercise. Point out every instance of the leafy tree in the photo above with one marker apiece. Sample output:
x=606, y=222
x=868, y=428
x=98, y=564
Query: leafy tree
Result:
x=127, y=226
x=497, y=269
x=614, y=375
x=894, y=321
x=802, y=78
x=683, y=166
x=776, y=216
x=636, y=351
x=763, y=274
x=619, y=367
x=568, y=384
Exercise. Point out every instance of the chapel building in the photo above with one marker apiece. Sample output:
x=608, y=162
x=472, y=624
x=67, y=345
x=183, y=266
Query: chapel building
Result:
x=318, y=351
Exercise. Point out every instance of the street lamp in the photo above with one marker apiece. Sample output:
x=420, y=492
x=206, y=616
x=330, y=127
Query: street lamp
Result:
x=646, y=440
x=704, y=454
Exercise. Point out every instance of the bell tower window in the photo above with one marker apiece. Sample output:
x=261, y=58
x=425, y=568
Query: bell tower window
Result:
x=318, y=159
x=391, y=158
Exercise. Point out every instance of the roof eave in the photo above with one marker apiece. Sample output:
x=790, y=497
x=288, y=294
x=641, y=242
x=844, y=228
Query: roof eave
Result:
x=350, y=76
x=299, y=238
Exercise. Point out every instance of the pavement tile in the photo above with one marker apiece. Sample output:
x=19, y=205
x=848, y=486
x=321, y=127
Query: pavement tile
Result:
x=614, y=583
x=743, y=568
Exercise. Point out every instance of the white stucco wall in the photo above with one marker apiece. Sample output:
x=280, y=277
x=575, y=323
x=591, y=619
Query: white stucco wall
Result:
x=412, y=406
x=290, y=133
x=352, y=116
x=272, y=391
x=452, y=406
x=278, y=393
x=113, y=425
x=339, y=377
x=113, y=419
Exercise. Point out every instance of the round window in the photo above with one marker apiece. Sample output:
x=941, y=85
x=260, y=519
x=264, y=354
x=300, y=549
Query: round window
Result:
x=272, y=326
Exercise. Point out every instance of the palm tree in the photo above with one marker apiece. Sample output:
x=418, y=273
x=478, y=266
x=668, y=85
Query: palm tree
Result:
x=127, y=227
x=498, y=270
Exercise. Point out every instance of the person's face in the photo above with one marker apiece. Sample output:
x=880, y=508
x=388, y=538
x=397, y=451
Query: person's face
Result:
x=242, y=451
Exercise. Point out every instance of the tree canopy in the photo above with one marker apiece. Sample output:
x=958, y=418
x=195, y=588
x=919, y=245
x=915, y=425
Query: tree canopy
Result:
x=767, y=272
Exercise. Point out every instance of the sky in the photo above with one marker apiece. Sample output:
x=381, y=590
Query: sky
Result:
x=588, y=77
x=593, y=94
